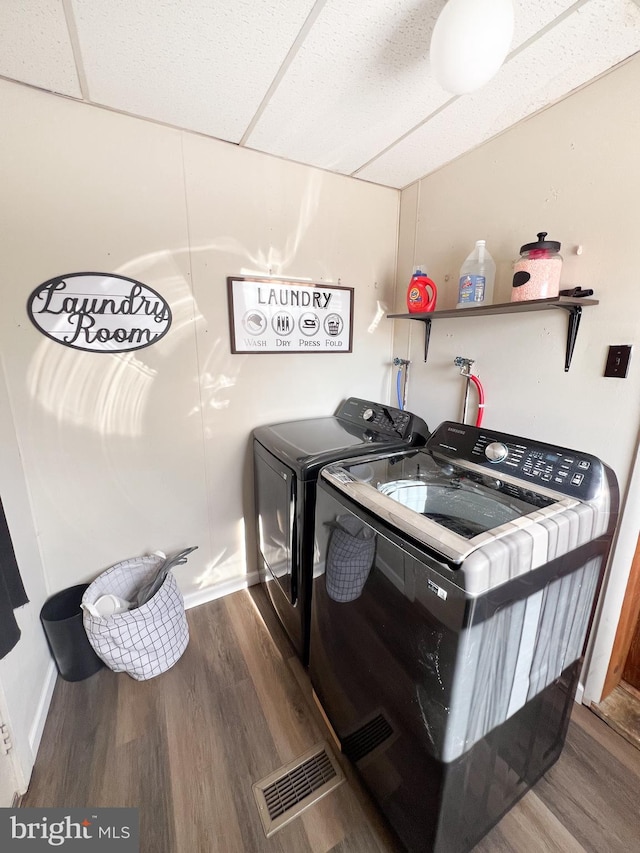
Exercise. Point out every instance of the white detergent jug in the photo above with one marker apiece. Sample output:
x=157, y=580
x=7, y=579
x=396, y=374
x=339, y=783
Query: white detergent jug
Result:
x=477, y=276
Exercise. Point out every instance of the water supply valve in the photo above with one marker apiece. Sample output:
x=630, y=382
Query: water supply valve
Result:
x=464, y=364
x=465, y=370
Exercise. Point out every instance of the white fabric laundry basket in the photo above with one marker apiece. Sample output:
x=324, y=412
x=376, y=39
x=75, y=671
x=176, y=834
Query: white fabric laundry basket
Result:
x=148, y=640
x=350, y=555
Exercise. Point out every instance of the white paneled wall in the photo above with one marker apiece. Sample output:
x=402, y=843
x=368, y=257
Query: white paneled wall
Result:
x=571, y=171
x=133, y=452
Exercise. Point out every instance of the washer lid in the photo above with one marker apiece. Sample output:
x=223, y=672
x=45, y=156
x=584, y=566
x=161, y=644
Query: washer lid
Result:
x=452, y=509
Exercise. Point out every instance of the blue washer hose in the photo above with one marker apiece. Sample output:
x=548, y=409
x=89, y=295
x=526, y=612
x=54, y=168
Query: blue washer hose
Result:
x=398, y=378
x=401, y=363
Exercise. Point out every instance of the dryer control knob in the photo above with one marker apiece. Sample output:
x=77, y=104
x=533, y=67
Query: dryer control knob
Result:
x=368, y=414
x=496, y=451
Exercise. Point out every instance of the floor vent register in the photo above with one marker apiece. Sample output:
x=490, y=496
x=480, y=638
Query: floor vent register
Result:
x=287, y=792
x=367, y=738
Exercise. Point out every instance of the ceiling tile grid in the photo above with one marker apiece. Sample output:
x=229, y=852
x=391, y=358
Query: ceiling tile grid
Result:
x=200, y=65
x=35, y=47
x=588, y=42
x=361, y=80
x=339, y=84
x=530, y=17
x=332, y=105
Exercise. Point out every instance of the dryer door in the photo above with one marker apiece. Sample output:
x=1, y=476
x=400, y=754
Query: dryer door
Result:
x=275, y=506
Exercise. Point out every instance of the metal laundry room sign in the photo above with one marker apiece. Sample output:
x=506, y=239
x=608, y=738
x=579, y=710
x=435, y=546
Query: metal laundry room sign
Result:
x=272, y=315
x=99, y=312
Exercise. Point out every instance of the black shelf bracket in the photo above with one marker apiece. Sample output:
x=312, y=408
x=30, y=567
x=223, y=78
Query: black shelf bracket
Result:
x=427, y=337
x=575, y=315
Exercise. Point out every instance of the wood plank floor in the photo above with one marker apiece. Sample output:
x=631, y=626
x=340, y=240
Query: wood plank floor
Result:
x=185, y=749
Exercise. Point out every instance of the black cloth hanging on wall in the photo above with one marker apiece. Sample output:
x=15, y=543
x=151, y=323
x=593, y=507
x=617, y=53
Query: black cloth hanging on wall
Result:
x=12, y=592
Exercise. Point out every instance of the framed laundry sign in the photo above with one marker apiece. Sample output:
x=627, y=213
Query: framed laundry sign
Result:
x=271, y=315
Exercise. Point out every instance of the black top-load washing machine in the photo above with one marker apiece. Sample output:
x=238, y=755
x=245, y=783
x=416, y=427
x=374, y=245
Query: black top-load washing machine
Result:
x=287, y=459
x=454, y=587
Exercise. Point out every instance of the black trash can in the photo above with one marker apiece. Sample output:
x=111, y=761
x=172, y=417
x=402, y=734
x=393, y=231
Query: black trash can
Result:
x=61, y=618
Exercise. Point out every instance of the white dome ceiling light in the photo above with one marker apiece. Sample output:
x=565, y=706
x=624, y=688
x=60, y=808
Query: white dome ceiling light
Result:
x=470, y=41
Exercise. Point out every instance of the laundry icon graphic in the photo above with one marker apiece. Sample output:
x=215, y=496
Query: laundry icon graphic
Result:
x=255, y=322
x=282, y=323
x=333, y=325
x=309, y=323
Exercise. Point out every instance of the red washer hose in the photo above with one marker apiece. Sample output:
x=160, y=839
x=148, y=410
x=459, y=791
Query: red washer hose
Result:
x=480, y=390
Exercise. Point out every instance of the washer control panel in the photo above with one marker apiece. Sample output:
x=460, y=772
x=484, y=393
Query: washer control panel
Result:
x=496, y=451
x=381, y=419
x=571, y=472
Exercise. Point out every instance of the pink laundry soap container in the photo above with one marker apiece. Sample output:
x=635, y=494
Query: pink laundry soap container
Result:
x=536, y=273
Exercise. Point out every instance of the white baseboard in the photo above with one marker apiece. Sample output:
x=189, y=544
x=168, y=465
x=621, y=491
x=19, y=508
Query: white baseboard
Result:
x=37, y=727
x=579, y=693
x=202, y=596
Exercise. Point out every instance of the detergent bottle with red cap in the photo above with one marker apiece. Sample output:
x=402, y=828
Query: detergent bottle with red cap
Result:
x=421, y=293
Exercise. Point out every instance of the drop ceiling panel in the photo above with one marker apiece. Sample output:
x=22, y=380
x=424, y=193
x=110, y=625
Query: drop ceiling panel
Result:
x=200, y=64
x=35, y=47
x=340, y=84
x=588, y=42
x=332, y=107
x=361, y=80
x=530, y=18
